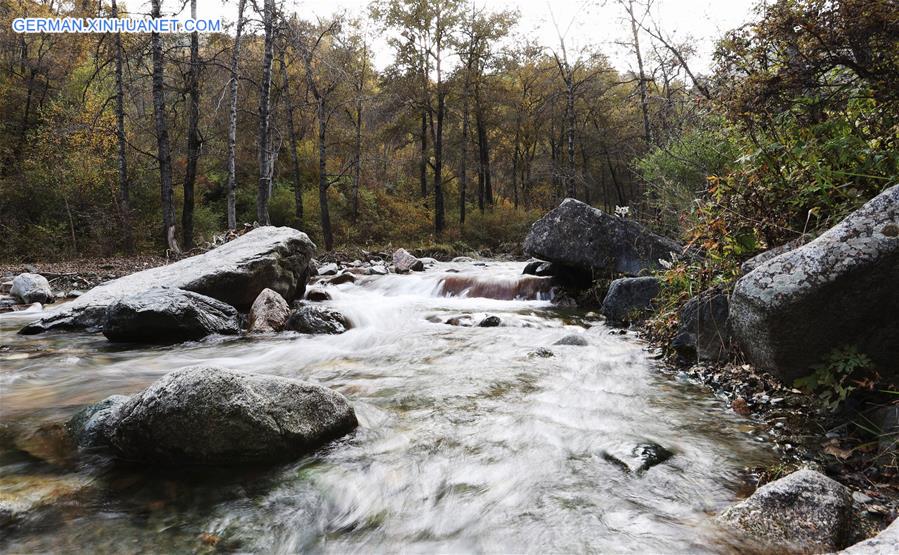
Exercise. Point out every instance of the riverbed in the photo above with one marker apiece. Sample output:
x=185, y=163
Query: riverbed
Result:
x=471, y=439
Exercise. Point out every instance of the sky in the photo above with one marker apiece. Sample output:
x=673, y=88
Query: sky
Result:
x=584, y=23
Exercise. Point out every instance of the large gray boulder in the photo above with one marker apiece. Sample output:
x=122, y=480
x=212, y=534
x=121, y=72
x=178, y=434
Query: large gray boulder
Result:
x=166, y=314
x=235, y=273
x=886, y=542
x=580, y=236
x=212, y=416
x=805, y=512
x=31, y=288
x=774, y=252
x=703, y=332
x=840, y=289
x=629, y=298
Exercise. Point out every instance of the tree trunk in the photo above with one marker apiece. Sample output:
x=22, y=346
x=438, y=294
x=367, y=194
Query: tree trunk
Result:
x=357, y=147
x=265, y=166
x=644, y=99
x=292, y=139
x=439, y=211
x=193, y=136
x=463, y=169
x=124, y=193
x=570, y=183
x=323, y=175
x=423, y=163
x=232, y=120
x=164, y=155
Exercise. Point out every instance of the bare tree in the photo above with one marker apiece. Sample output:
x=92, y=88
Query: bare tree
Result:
x=193, y=136
x=636, y=22
x=292, y=141
x=124, y=193
x=265, y=133
x=164, y=154
x=232, y=118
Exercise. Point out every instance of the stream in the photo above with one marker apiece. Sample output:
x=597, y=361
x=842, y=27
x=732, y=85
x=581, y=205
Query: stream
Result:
x=468, y=441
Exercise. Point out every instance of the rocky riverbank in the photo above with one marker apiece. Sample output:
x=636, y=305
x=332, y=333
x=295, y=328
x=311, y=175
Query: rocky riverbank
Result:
x=792, y=306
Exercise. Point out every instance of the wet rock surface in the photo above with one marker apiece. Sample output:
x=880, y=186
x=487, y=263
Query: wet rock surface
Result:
x=404, y=262
x=269, y=312
x=166, y=314
x=578, y=235
x=629, y=298
x=639, y=458
x=804, y=512
x=213, y=416
x=277, y=258
x=573, y=340
x=317, y=320
x=793, y=310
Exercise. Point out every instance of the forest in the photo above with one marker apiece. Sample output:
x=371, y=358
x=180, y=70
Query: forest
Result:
x=114, y=144
x=418, y=278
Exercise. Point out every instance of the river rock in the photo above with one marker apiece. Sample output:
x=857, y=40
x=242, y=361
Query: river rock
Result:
x=22, y=495
x=629, y=298
x=840, y=289
x=213, y=416
x=345, y=277
x=166, y=314
x=883, y=543
x=404, y=262
x=578, y=235
x=329, y=269
x=639, y=458
x=89, y=427
x=277, y=258
x=490, y=322
x=318, y=320
x=573, y=340
x=703, y=332
x=317, y=294
x=269, y=312
x=805, y=512
x=32, y=288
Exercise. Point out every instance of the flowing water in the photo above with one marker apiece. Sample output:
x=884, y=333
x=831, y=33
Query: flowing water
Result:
x=468, y=442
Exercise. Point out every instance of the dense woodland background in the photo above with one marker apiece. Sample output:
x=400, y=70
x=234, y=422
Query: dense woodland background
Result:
x=143, y=143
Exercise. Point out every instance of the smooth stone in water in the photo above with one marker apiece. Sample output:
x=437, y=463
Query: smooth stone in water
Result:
x=574, y=340
x=165, y=314
x=213, y=416
x=490, y=322
x=317, y=294
x=235, y=273
x=318, y=320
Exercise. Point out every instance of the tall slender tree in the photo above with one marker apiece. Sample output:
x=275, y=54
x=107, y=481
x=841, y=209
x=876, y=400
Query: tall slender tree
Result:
x=265, y=132
x=164, y=153
x=232, y=117
x=124, y=193
x=193, y=136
